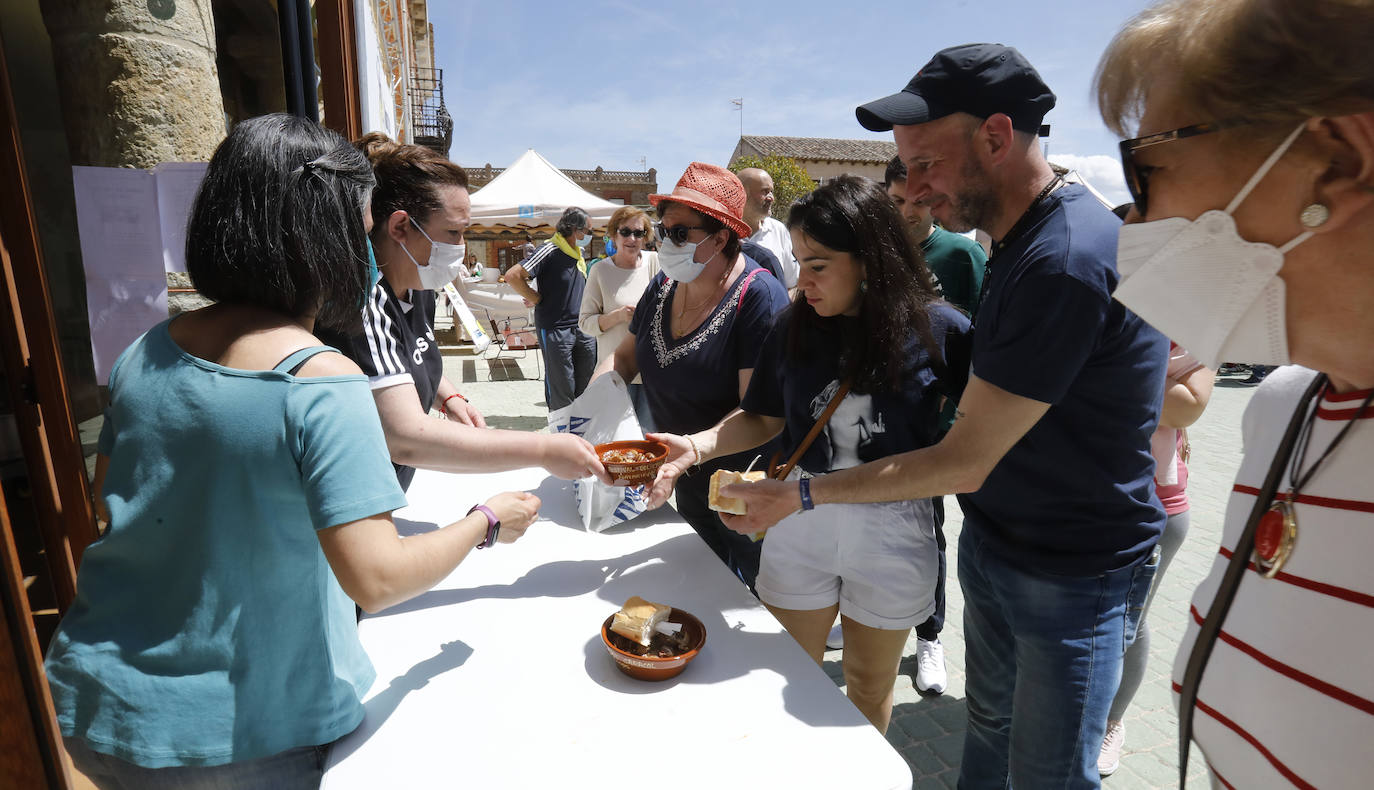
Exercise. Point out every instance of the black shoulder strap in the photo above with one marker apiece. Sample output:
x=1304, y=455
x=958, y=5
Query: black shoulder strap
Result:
x=1230, y=581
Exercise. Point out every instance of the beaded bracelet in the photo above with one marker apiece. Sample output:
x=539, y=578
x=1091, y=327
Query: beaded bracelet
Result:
x=696, y=464
x=443, y=406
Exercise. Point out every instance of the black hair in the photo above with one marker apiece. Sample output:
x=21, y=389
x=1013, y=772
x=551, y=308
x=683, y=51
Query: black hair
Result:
x=853, y=214
x=711, y=225
x=278, y=222
x=896, y=171
x=573, y=220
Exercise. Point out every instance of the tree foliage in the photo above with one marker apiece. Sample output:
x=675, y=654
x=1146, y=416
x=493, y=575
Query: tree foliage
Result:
x=790, y=181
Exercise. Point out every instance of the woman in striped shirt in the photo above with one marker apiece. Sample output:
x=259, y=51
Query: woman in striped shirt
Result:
x=1253, y=179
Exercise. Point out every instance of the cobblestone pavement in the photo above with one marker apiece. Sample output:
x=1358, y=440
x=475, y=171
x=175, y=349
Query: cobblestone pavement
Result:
x=928, y=730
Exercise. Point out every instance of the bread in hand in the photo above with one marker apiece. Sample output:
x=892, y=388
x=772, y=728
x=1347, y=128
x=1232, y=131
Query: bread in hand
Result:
x=638, y=618
x=725, y=504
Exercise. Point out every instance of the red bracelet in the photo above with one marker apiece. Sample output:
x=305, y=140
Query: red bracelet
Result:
x=443, y=406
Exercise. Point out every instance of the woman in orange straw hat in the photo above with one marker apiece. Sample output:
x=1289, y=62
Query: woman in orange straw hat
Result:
x=695, y=335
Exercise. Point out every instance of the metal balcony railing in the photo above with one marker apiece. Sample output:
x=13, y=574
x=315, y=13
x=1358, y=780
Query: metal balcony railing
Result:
x=431, y=124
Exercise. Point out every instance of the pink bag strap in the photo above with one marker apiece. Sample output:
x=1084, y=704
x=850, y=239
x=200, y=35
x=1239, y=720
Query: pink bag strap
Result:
x=748, y=278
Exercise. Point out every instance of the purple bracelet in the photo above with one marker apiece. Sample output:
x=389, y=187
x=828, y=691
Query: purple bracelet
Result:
x=493, y=525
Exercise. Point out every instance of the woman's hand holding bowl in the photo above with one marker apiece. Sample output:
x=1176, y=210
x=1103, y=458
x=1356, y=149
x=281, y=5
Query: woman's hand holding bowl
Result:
x=573, y=458
x=681, y=456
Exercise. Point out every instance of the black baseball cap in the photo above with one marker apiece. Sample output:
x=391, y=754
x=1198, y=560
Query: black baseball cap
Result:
x=978, y=79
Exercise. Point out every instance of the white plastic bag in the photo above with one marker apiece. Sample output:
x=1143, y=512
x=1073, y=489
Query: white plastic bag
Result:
x=602, y=413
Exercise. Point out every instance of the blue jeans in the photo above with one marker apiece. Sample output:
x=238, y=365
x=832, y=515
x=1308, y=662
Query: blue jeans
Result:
x=569, y=359
x=1043, y=660
x=293, y=769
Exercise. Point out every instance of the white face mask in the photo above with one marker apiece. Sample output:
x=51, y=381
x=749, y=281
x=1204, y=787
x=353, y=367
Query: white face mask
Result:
x=1205, y=287
x=677, y=260
x=445, y=261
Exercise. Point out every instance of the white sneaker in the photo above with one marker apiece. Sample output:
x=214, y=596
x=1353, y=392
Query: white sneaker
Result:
x=1109, y=759
x=930, y=666
x=835, y=639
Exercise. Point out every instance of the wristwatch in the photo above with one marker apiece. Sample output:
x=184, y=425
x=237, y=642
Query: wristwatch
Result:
x=493, y=525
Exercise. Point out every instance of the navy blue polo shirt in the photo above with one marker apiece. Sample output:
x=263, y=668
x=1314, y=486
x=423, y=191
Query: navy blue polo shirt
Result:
x=560, y=287
x=1075, y=496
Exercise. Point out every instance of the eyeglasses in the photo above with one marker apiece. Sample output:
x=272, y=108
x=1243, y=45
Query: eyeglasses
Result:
x=627, y=233
x=678, y=233
x=1138, y=176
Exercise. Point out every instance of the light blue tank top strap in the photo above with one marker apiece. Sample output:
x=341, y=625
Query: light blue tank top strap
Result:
x=294, y=361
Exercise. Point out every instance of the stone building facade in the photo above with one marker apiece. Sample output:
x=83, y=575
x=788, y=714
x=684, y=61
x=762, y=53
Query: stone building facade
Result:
x=822, y=157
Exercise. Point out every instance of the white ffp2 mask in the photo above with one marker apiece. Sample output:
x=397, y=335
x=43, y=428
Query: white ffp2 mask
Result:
x=1205, y=287
x=445, y=261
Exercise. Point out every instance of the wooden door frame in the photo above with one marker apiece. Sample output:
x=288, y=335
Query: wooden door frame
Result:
x=53, y=460
x=336, y=32
x=33, y=368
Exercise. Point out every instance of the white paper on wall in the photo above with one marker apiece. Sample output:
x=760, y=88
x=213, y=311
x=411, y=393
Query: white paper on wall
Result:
x=132, y=225
x=177, y=185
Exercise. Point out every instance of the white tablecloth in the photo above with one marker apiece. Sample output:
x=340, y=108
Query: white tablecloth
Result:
x=498, y=678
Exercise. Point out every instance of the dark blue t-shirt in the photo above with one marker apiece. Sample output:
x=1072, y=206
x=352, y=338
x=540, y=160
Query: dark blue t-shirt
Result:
x=865, y=426
x=1075, y=496
x=762, y=256
x=693, y=382
x=560, y=287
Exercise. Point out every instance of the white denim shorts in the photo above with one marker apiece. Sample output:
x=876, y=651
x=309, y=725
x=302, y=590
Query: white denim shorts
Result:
x=878, y=561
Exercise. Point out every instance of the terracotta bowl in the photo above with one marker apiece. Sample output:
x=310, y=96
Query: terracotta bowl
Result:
x=636, y=474
x=649, y=667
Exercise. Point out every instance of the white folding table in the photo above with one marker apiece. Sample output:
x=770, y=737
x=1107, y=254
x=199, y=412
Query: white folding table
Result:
x=498, y=677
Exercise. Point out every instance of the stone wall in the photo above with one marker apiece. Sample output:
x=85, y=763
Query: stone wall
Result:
x=137, y=80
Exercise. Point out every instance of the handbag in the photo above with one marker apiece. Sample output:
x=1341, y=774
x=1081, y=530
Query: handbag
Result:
x=777, y=472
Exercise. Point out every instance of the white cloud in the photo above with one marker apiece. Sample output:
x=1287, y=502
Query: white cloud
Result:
x=1103, y=172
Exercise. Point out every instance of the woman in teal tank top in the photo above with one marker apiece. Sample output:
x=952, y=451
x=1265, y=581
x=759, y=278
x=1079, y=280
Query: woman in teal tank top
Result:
x=247, y=486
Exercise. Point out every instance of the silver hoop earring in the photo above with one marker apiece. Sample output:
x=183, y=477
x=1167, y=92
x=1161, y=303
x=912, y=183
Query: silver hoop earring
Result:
x=863, y=286
x=1314, y=216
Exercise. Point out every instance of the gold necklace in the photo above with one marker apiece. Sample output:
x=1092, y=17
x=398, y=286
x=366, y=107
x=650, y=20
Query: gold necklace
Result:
x=684, y=309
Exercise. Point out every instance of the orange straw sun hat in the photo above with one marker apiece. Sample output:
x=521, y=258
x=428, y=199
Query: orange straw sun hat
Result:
x=712, y=190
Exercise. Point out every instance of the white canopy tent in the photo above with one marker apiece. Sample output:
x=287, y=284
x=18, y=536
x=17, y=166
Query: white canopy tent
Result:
x=532, y=193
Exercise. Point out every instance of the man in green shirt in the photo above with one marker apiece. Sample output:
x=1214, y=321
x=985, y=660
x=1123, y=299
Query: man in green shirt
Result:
x=956, y=261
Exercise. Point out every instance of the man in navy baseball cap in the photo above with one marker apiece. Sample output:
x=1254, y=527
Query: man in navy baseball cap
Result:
x=978, y=79
x=1050, y=449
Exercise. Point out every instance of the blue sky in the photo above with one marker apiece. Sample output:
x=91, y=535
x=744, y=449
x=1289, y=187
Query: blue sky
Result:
x=627, y=85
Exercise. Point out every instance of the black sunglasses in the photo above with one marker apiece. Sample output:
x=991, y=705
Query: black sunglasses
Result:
x=1138, y=176
x=627, y=233
x=678, y=233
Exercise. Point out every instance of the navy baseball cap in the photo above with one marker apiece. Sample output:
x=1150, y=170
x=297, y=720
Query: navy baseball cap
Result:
x=978, y=79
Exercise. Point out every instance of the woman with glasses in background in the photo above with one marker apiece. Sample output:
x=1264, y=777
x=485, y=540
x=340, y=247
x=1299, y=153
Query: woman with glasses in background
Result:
x=696, y=332
x=611, y=293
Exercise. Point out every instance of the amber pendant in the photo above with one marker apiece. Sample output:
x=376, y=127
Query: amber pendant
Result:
x=1275, y=538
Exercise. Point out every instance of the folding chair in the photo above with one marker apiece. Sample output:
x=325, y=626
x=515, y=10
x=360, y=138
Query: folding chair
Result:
x=509, y=335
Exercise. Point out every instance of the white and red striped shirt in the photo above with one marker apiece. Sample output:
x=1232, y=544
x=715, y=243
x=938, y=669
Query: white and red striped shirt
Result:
x=1287, y=699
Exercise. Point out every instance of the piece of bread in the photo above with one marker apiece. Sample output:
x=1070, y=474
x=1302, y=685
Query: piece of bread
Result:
x=725, y=504
x=637, y=619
